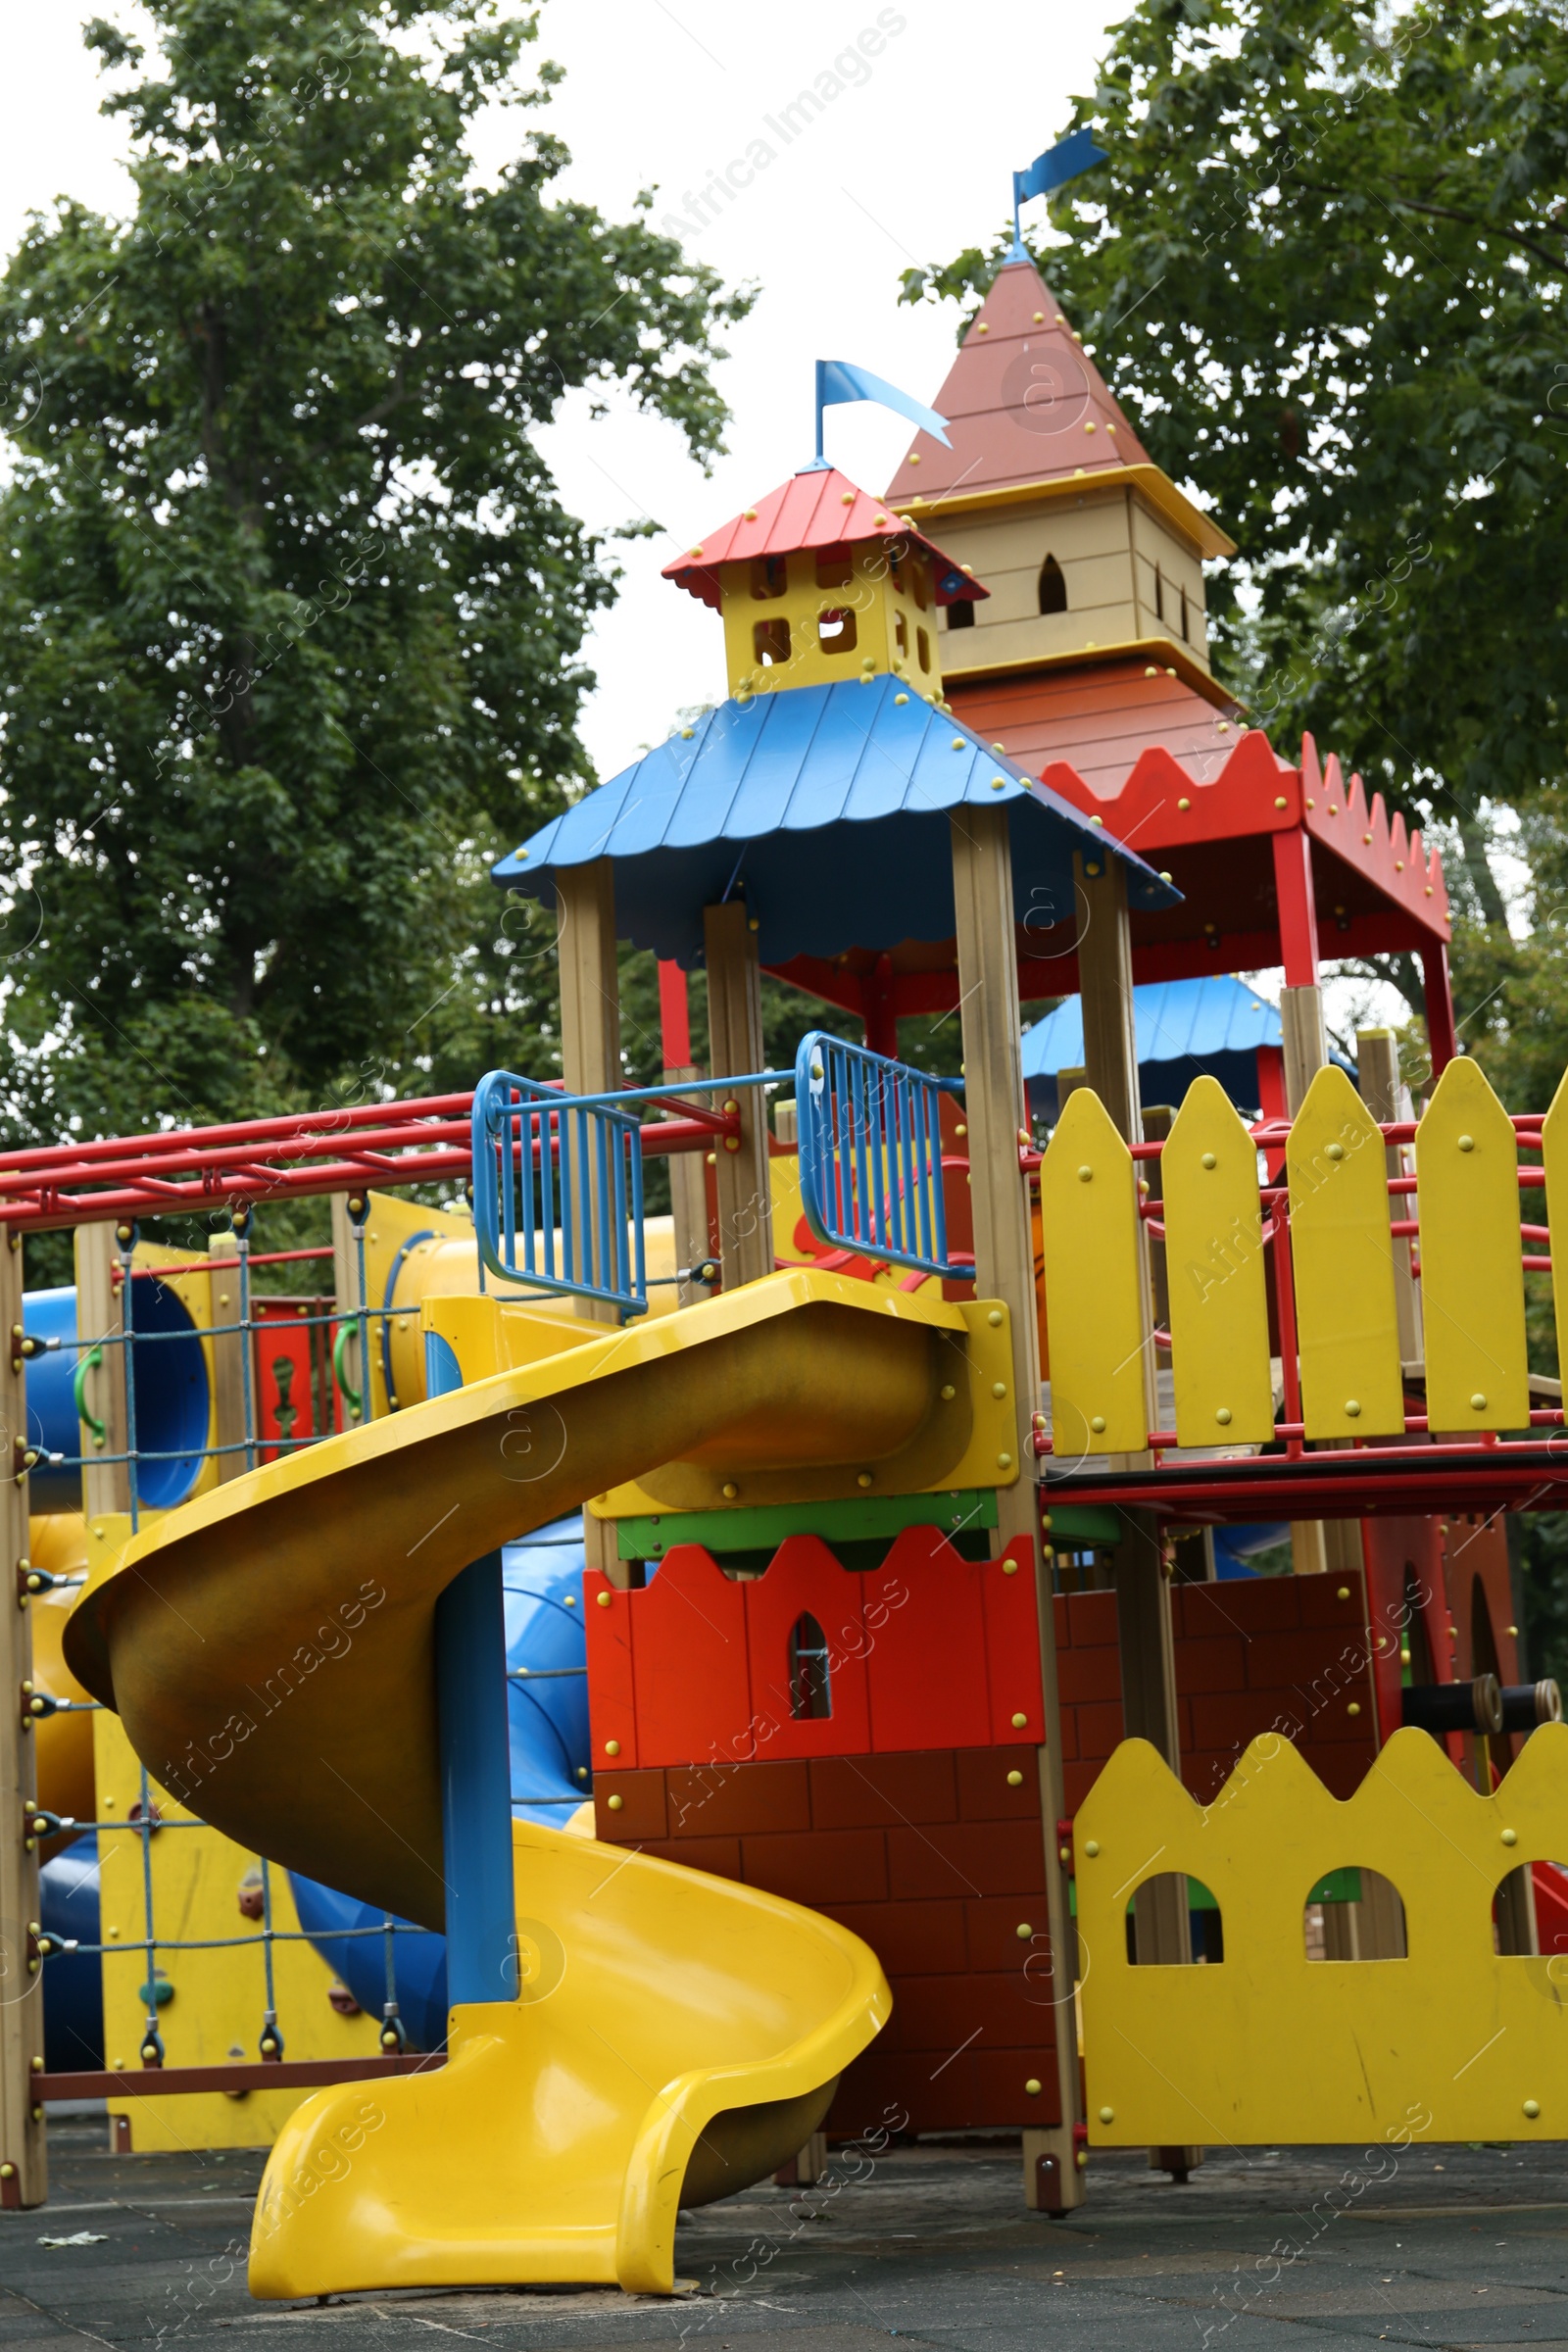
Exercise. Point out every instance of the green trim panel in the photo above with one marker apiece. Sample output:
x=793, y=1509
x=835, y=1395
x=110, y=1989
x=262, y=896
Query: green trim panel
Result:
x=765, y=1527
x=1083, y=1523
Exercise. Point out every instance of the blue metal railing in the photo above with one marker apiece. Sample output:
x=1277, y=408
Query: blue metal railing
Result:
x=558, y=1190
x=870, y=1144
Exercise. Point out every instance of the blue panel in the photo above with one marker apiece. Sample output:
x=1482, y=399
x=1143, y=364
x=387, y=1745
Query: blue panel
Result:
x=470, y=1664
x=1212, y=1023
x=72, y=1982
x=173, y=1410
x=775, y=796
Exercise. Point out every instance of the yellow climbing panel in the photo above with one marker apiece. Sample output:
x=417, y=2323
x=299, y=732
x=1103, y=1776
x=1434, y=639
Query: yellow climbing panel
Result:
x=1455, y=2042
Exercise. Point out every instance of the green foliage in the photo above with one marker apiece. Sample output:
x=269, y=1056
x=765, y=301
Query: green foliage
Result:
x=1324, y=269
x=1544, y=1549
x=292, y=615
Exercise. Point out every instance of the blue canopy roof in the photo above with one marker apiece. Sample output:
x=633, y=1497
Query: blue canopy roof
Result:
x=826, y=809
x=1215, y=1024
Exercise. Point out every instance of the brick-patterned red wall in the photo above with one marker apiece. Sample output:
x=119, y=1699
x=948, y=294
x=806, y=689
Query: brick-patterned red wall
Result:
x=937, y=1862
x=1283, y=1653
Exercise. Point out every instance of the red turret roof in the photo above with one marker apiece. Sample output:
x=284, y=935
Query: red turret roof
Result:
x=1026, y=406
x=1024, y=402
x=818, y=507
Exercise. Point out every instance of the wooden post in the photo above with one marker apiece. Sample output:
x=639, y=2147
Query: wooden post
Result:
x=1318, y=1547
x=590, y=999
x=735, y=1047
x=997, y=1117
x=23, y=2166
x=688, y=1201
x=229, y=1358
x=1377, y=1055
x=1106, y=989
x=1162, y=1924
x=100, y=1317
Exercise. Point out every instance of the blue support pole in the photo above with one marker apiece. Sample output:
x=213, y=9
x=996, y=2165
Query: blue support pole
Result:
x=470, y=1673
x=470, y=1663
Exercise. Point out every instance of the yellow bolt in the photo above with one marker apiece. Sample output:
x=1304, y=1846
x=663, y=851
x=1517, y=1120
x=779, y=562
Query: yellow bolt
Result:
x=616, y=1804
x=1107, y=2115
x=1343, y=1592
x=948, y=1392
x=1024, y=1930
x=995, y=1318
x=1004, y=1461
x=1354, y=1707
x=1532, y=2108
x=1353, y=1408
x=612, y=1747
x=1010, y=1567
x=1222, y=1414
x=730, y=1491
x=999, y=1388
x=1015, y=1780
x=1210, y=1161
x=1092, y=1849
x=1018, y=1722
x=1477, y=1402
x=1085, y=1175
x=1336, y=1151
x=1031, y=2087
x=1098, y=1423
x=1467, y=1142
x=604, y=1600
x=1510, y=1837
x=862, y=1478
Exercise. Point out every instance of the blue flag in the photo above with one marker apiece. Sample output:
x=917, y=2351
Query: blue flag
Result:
x=1053, y=170
x=840, y=380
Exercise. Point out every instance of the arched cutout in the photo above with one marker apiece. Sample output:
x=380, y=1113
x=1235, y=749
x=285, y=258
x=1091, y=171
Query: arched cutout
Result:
x=1053, y=587
x=1154, y=1916
x=836, y=630
x=1530, y=1912
x=1182, y=622
x=922, y=646
x=1354, y=1914
x=810, y=1674
x=1159, y=594
x=770, y=641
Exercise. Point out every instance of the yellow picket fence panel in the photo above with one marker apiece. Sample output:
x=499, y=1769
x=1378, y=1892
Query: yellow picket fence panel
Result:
x=1343, y=1270
x=1214, y=1273
x=1555, y=1158
x=1472, y=1275
x=1347, y=1319
x=1096, y=1291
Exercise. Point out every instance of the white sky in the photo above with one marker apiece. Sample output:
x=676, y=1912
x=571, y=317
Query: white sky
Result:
x=912, y=163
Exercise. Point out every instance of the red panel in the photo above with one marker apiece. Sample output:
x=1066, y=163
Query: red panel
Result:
x=640, y=1811
x=977, y=1858
x=1013, y=1645
x=803, y=1578
x=689, y=1656
x=855, y=1792
x=612, y=1703
x=926, y=1646
x=1298, y=912
x=290, y=1356
x=821, y=1866
x=718, y=1800
x=984, y=1792
x=908, y=1936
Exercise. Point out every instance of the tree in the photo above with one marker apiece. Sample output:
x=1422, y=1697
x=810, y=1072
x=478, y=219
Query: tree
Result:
x=291, y=613
x=1325, y=268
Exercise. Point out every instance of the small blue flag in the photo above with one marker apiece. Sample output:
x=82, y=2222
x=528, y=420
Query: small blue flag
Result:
x=1074, y=153
x=839, y=380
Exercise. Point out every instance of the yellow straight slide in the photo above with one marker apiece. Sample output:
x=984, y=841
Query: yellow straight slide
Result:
x=271, y=1652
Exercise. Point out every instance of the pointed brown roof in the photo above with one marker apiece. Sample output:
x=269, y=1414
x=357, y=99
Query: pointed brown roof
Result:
x=1027, y=407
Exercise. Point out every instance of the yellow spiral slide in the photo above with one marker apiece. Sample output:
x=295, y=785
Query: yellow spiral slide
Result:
x=655, y=2036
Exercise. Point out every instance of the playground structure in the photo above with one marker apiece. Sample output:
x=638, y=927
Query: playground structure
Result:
x=904, y=1446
